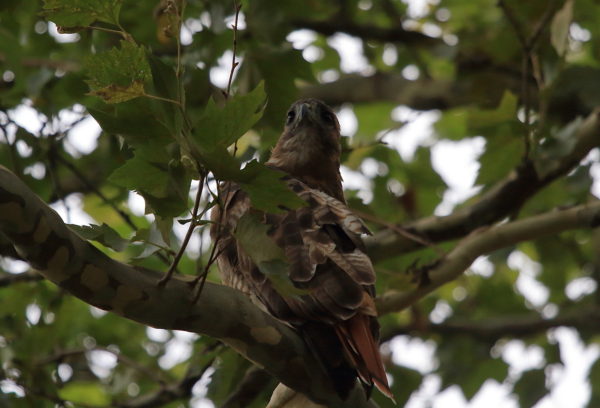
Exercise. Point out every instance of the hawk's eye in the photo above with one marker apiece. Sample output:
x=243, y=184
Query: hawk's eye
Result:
x=327, y=117
x=290, y=117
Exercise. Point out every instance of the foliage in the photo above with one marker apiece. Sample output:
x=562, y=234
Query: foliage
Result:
x=518, y=76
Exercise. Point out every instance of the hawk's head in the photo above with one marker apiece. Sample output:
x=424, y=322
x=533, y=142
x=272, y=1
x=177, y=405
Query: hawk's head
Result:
x=309, y=147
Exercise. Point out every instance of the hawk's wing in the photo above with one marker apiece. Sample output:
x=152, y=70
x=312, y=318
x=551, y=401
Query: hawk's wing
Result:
x=322, y=244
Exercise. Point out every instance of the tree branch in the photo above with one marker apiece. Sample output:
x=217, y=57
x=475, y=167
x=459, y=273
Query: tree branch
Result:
x=7, y=279
x=172, y=392
x=254, y=382
x=369, y=32
x=42, y=238
x=422, y=94
x=507, y=326
x=483, y=242
x=503, y=199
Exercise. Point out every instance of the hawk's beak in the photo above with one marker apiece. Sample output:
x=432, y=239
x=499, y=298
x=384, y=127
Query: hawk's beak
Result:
x=306, y=113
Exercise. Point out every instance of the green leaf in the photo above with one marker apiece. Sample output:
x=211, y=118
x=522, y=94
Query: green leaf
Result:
x=500, y=157
x=281, y=69
x=85, y=392
x=118, y=74
x=482, y=120
x=163, y=184
x=372, y=119
x=266, y=189
x=594, y=378
x=165, y=84
x=487, y=369
x=559, y=29
x=223, y=165
x=252, y=235
x=223, y=126
x=453, y=124
x=102, y=234
x=82, y=13
x=559, y=144
x=131, y=120
x=531, y=387
x=141, y=175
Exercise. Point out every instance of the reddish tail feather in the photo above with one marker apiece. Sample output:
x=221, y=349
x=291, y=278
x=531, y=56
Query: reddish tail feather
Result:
x=363, y=351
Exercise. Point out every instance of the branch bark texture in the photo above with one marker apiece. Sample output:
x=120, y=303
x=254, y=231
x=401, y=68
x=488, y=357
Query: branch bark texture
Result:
x=482, y=242
x=41, y=238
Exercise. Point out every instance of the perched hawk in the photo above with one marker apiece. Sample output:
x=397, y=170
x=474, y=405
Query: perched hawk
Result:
x=335, y=312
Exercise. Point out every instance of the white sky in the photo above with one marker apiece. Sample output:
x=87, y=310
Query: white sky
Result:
x=456, y=162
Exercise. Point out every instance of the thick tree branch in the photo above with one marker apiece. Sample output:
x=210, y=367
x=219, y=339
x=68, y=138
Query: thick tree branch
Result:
x=42, y=238
x=485, y=241
x=369, y=32
x=423, y=94
x=503, y=199
x=584, y=318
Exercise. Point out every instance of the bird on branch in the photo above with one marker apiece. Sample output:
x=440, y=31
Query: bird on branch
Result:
x=332, y=304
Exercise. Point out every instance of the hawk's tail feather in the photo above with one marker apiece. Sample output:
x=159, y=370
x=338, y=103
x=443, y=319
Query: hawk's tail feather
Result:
x=362, y=350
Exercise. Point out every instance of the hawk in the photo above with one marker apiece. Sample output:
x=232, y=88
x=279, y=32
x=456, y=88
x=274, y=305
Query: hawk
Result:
x=335, y=312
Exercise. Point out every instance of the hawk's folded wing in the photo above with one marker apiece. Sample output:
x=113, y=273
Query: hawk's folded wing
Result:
x=323, y=247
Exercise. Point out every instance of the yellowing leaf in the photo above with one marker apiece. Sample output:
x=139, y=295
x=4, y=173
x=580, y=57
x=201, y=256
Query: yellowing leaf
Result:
x=118, y=75
x=116, y=94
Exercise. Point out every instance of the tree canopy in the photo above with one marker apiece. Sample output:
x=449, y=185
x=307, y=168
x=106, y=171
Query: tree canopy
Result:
x=190, y=92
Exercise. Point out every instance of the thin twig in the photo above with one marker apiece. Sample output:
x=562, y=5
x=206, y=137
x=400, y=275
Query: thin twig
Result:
x=401, y=231
x=201, y=279
x=157, y=376
x=188, y=235
x=7, y=279
x=234, y=63
x=96, y=191
x=528, y=43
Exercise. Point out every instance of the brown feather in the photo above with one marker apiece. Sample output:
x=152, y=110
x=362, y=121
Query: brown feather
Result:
x=355, y=335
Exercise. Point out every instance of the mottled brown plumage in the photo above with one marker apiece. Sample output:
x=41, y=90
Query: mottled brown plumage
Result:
x=323, y=247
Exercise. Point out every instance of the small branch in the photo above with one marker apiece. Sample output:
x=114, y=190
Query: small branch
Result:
x=422, y=241
x=498, y=202
x=480, y=243
x=62, y=355
x=514, y=21
x=91, y=187
x=234, y=63
x=7, y=279
x=528, y=44
x=254, y=382
x=173, y=392
x=188, y=235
